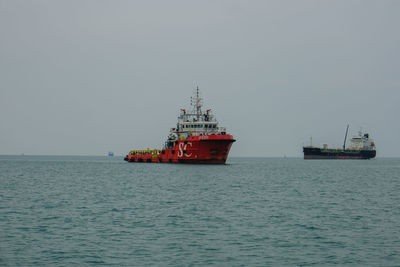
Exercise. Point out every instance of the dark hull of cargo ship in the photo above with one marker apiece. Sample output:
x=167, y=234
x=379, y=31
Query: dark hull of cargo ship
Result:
x=318, y=153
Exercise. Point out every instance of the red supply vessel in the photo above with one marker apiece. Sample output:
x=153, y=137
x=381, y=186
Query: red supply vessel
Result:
x=197, y=139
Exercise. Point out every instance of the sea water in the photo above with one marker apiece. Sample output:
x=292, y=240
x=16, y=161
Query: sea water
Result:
x=82, y=211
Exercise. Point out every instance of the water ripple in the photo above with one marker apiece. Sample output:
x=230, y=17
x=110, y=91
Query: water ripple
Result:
x=253, y=212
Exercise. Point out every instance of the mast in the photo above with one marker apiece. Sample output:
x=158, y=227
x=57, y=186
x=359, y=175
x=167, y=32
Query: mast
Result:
x=345, y=137
x=197, y=103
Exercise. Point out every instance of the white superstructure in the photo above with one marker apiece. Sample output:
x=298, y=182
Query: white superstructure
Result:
x=362, y=142
x=196, y=122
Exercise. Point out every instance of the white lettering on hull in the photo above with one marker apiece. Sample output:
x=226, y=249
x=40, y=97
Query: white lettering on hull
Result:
x=182, y=150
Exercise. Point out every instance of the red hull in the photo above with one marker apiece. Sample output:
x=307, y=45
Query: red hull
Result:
x=203, y=149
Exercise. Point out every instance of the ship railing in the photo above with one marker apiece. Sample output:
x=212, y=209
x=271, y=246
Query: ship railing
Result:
x=187, y=134
x=222, y=130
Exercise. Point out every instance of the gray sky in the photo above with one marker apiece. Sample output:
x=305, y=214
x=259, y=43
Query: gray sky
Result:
x=86, y=77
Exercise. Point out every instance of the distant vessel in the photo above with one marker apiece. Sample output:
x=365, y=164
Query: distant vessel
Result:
x=361, y=147
x=111, y=154
x=196, y=139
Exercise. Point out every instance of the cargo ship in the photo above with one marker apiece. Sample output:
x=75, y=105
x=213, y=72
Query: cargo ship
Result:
x=361, y=147
x=197, y=139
